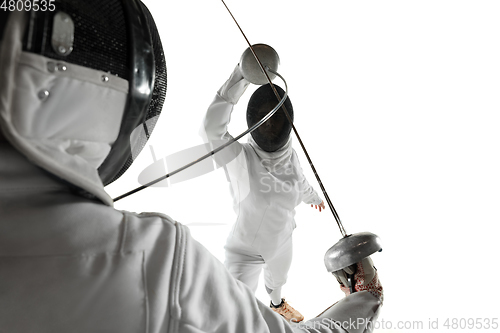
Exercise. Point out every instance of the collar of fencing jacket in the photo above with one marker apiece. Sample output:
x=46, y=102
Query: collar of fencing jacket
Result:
x=275, y=160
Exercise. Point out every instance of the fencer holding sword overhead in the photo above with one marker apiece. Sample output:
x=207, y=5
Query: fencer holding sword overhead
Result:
x=266, y=182
x=69, y=261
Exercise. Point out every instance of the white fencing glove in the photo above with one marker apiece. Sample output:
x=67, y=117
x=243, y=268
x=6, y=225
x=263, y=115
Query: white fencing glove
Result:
x=234, y=87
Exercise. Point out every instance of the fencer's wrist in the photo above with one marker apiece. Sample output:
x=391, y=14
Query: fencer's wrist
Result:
x=237, y=75
x=234, y=87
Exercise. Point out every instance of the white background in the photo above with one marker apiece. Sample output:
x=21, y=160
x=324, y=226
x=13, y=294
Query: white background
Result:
x=397, y=103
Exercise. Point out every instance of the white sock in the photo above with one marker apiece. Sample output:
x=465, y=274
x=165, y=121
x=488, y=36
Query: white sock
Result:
x=276, y=296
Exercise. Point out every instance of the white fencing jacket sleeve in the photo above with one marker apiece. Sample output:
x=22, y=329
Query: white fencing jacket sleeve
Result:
x=309, y=195
x=232, y=158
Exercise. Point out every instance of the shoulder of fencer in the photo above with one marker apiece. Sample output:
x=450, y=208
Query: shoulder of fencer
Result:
x=296, y=162
x=149, y=231
x=135, y=220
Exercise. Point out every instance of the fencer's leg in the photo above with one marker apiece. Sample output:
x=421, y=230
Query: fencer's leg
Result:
x=276, y=270
x=243, y=263
x=275, y=295
x=275, y=274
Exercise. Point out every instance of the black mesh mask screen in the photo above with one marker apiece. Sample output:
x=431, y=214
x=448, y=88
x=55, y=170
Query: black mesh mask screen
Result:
x=4, y=15
x=274, y=133
x=100, y=35
x=157, y=99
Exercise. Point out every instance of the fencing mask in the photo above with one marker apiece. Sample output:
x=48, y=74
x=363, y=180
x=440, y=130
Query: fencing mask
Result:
x=111, y=46
x=274, y=133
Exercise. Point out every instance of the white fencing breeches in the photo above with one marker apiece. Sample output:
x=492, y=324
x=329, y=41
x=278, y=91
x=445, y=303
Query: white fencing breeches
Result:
x=245, y=263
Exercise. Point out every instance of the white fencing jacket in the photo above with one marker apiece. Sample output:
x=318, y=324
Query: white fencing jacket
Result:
x=266, y=186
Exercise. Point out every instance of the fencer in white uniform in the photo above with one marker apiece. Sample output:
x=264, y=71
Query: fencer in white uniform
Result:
x=69, y=261
x=266, y=183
